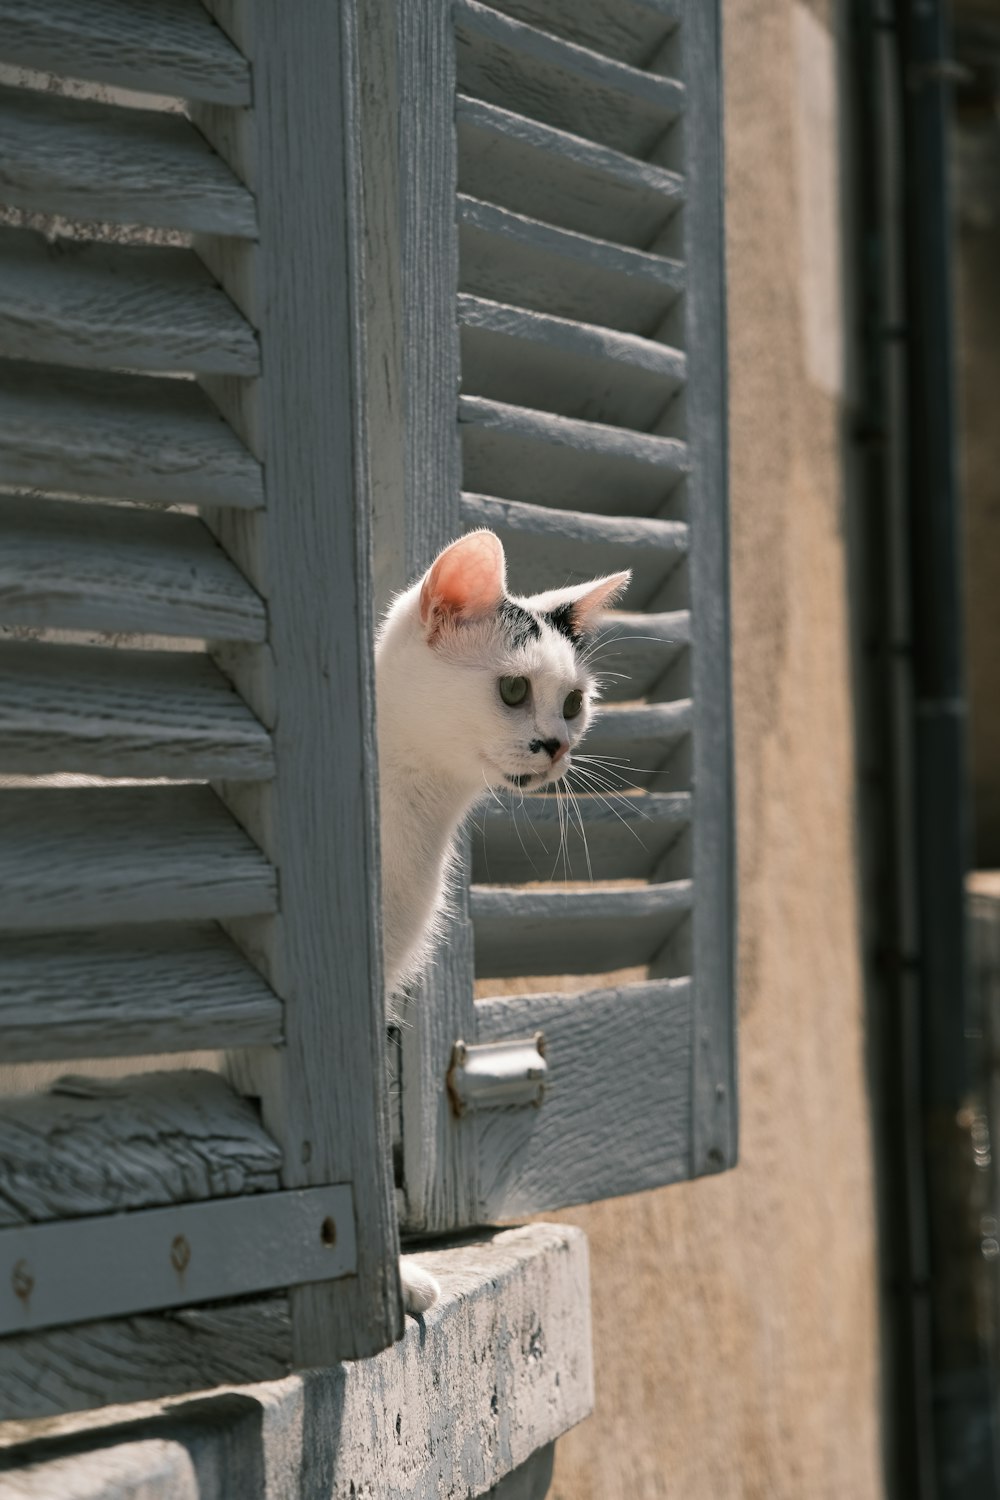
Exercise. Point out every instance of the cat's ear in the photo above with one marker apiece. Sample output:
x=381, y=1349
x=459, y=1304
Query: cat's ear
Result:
x=464, y=581
x=578, y=609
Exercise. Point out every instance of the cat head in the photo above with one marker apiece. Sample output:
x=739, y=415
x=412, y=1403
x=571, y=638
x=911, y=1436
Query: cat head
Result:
x=498, y=688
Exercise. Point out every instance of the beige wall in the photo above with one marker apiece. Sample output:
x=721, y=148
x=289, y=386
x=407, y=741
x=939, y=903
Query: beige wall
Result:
x=736, y=1318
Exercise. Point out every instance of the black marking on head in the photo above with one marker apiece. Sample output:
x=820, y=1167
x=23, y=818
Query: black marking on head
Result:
x=564, y=620
x=519, y=625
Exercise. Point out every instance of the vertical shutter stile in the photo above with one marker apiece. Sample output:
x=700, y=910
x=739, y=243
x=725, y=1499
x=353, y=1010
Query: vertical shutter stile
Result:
x=567, y=333
x=188, y=858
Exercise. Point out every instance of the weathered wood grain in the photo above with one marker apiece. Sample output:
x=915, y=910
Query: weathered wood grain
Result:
x=560, y=178
x=516, y=355
x=625, y=838
x=111, y=712
x=543, y=544
x=172, y=47
x=322, y=295
x=94, y=856
x=616, y=1117
x=565, y=463
x=127, y=437
x=561, y=83
x=532, y=930
x=142, y=1358
x=94, y=161
x=127, y=991
x=516, y=259
x=111, y=568
x=93, y=1146
x=111, y=306
x=631, y=30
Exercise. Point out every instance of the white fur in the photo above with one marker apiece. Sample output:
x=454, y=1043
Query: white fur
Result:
x=446, y=737
x=420, y=1289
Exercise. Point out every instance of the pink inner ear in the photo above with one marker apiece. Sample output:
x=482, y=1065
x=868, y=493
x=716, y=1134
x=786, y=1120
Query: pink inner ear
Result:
x=604, y=592
x=467, y=579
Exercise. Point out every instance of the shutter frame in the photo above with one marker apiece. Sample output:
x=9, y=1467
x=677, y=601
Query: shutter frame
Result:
x=490, y=1165
x=714, y=1097
x=297, y=883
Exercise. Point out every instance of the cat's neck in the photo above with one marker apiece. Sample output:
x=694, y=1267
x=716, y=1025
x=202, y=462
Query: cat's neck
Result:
x=423, y=803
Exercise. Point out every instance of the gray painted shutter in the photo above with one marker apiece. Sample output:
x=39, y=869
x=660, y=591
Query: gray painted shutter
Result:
x=564, y=305
x=216, y=888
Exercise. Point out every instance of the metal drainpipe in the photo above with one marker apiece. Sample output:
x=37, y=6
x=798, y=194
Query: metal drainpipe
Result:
x=884, y=695
x=967, y=1461
x=942, y=1398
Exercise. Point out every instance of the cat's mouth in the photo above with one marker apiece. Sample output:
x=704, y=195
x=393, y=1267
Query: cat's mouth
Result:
x=535, y=778
x=524, y=779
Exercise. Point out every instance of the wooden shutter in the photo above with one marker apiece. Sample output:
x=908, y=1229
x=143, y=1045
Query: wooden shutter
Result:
x=190, y=333
x=564, y=311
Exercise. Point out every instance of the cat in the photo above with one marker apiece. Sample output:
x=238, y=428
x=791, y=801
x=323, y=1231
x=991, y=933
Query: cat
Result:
x=477, y=689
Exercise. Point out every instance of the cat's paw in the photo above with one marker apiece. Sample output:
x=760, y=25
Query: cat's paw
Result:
x=420, y=1290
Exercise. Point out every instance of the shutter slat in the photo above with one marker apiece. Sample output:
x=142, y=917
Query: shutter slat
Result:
x=103, y=712
x=172, y=47
x=636, y=650
x=642, y=738
x=120, y=436
x=129, y=991
x=560, y=178
x=516, y=355
x=626, y=838
x=127, y=166
x=631, y=30
x=561, y=83
x=110, y=568
x=567, y=464
x=105, y=306
x=542, y=544
x=516, y=259
x=94, y=857
x=617, y=1118
x=92, y=1146
x=537, y=931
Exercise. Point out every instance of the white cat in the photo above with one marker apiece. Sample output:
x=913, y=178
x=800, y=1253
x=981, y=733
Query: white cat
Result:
x=476, y=689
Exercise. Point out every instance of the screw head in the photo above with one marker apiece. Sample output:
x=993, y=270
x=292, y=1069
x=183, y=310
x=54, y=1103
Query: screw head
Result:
x=22, y=1280
x=180, y=1254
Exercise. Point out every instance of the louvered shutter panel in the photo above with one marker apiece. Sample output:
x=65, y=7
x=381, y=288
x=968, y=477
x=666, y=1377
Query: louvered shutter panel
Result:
x=563, y=296
x=203, y=668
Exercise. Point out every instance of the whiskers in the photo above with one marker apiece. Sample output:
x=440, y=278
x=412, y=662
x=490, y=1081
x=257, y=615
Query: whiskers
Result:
x=564, y=808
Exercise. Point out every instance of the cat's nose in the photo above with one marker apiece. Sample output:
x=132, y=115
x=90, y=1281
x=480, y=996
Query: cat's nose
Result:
x=556, y=748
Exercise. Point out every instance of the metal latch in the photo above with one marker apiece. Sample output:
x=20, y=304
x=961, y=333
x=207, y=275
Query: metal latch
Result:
x=495, y=1074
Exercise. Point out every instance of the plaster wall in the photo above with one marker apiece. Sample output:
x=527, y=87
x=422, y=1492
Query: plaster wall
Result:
x=736, y=1318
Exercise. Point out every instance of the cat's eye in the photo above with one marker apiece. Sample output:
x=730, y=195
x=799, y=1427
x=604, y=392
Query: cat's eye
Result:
x=573, y=704
x=513, y=690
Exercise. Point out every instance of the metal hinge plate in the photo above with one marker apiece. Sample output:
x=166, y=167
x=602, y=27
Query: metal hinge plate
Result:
x=110, y=1265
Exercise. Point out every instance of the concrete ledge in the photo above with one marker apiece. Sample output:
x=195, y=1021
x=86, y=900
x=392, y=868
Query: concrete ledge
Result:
x=494, y=1373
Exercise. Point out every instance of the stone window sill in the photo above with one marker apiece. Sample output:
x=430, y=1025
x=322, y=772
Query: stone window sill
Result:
x=469, y=1400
